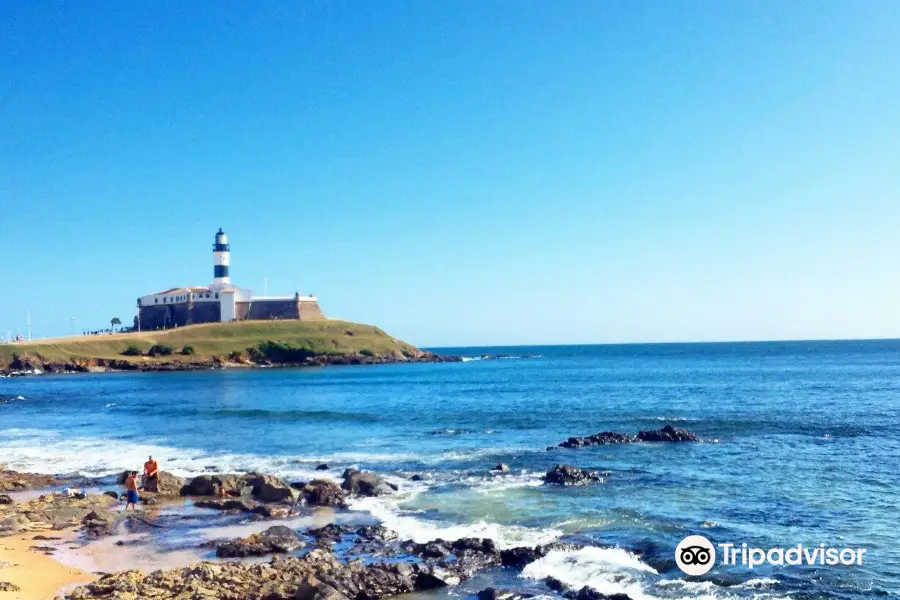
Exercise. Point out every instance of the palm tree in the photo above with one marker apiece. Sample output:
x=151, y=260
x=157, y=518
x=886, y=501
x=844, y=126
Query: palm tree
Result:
x=115, y=321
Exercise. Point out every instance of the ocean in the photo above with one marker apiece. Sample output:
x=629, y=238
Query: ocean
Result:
x=801, y=446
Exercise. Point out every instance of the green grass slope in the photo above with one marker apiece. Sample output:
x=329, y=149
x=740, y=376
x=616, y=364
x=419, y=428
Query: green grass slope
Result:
x=327, y=337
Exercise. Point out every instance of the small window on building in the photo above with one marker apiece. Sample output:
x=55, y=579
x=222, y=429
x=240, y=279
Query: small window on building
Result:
x=156, y=301
x=217, y=294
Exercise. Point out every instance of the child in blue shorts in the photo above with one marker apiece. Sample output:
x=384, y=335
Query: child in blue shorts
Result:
x=131, y=490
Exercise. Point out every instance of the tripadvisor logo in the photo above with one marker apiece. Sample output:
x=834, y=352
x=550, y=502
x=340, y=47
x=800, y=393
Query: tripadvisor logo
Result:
x=696, y=555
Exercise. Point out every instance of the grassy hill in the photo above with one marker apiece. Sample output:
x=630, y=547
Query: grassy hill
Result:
x=216, y=340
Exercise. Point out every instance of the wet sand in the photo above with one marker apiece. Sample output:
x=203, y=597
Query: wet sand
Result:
x=38, y=575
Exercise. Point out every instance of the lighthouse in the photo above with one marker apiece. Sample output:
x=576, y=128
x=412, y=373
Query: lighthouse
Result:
x=221, y=260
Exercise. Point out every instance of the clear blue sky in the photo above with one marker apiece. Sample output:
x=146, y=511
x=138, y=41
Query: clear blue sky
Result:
x=461, y=172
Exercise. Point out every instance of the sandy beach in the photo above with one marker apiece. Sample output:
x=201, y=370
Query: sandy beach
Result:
x=37, y=575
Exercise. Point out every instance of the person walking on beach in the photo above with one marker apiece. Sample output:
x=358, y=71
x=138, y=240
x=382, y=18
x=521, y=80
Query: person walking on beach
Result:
x=151, y=475
x=131, y=490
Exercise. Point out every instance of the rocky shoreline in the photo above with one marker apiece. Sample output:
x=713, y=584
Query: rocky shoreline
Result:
x=334, y=561
x=35, y=364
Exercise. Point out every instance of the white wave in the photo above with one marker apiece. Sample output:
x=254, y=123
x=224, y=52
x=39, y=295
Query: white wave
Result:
x=20, y=397
x=408, y=526
x=617, y=571
x=676, y=419
x=502, y=482
x=470, y=358
x=51, y=452
x=608, y=570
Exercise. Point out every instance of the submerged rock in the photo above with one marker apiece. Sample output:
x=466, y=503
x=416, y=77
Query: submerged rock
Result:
x=362, y=483
x=6, y=586
x=329, y=534
x=277, y=539
x=501, y=468
x=322, y=467
x=569, y=475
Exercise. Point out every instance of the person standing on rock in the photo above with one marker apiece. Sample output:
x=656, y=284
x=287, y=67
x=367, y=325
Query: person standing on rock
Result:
x=131, y=491
x=151, y=475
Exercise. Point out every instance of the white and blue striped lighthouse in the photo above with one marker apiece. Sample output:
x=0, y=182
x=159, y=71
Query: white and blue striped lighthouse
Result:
x=221, y=258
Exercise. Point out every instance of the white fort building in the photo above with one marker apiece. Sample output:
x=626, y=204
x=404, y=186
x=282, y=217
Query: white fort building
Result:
x=219, y=301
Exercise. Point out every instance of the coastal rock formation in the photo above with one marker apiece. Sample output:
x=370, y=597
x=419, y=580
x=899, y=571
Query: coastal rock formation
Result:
x=5, y=499
x=585, y=593
x=13, y=481
x=166, y=485
x=569, y=475
x=494, y=594
x=665, y=434
x=362, y=483
x=318, y=575
x=6, y=586
x=274, y=540
x=320, y=492
x=55, y=511
x=212, y=485
x=598, y=439
x=500, y=468
x=269, y=488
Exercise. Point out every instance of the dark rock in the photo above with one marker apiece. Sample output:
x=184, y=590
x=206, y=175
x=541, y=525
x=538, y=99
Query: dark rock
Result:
x=6, y=586
x=416, y=477
x=668, y=434
x=313, y=589
x=362, y=483
x=598, y=439
x=569, y=475
x=485, y=545
x=494, y=594
x=5, y=499
x=277, y=539
x=588, y=593
x=224, y=505
x=329, y=533
x=434, y=577
x=518, y=558
x=501, y=468
x=165, y=484
x=322, y=467
x=433, y=549
x=320, y=492
x=211, y=485
x=555, y=584
x=269, y=488
x=112, y=494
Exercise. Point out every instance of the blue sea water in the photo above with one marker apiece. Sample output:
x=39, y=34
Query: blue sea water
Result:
x=802, y=445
